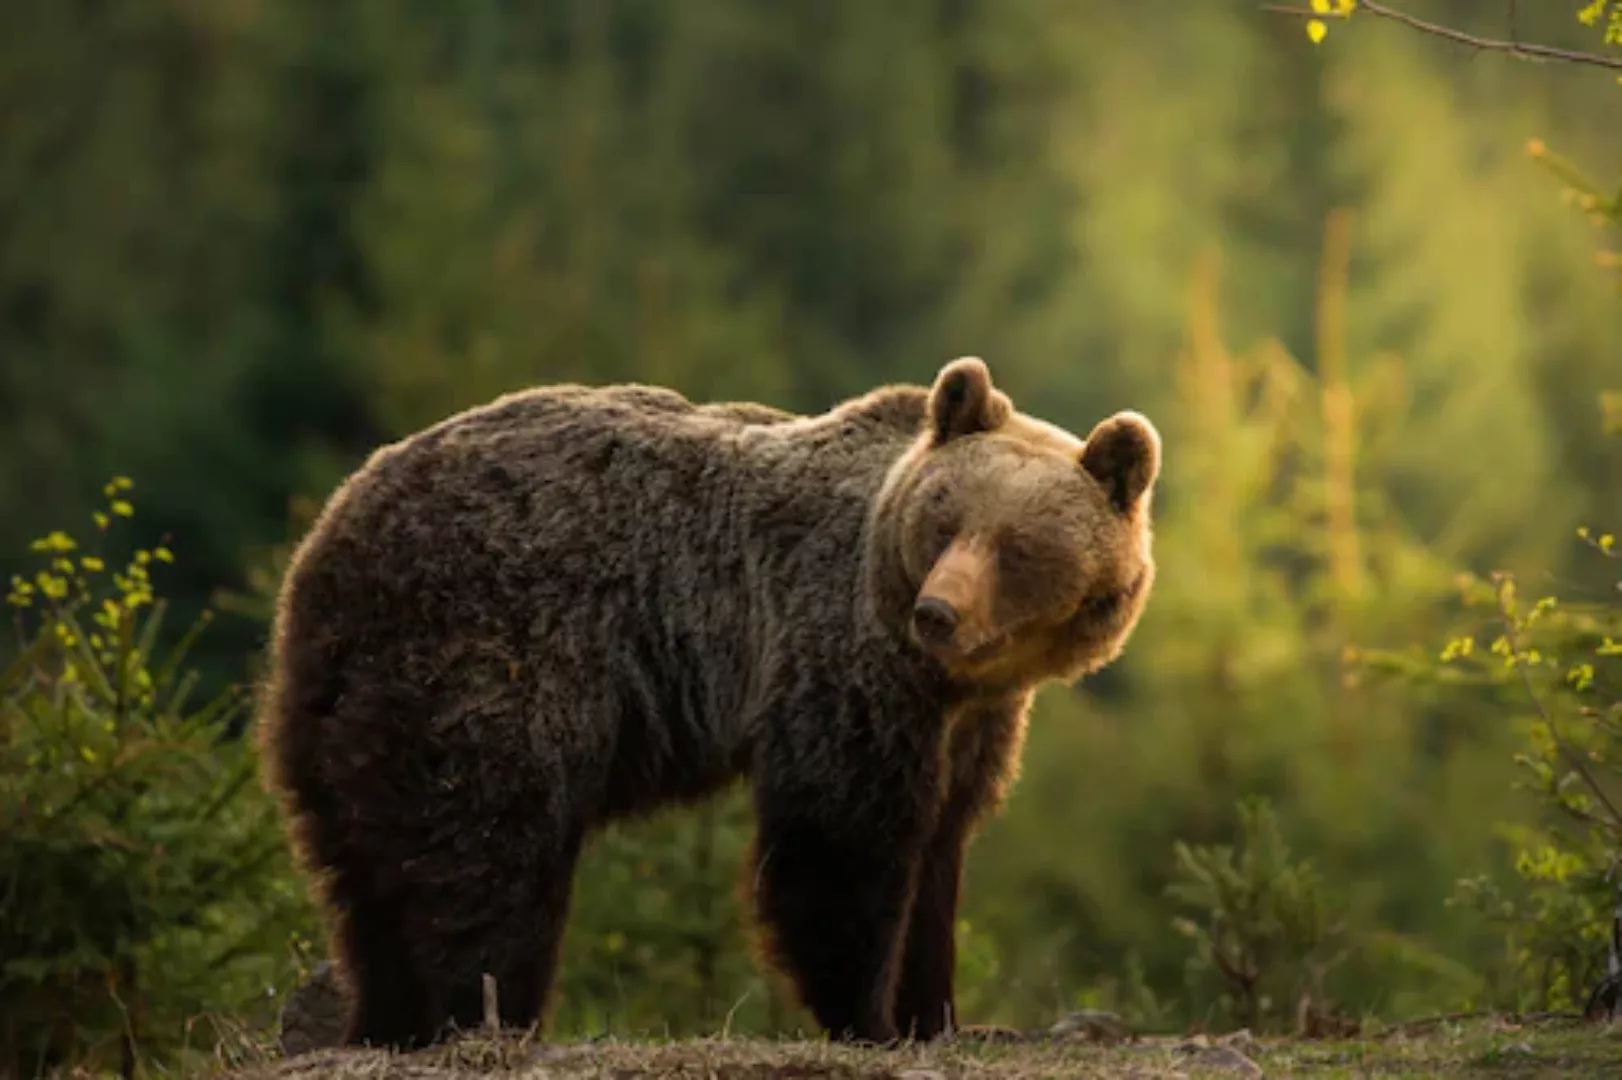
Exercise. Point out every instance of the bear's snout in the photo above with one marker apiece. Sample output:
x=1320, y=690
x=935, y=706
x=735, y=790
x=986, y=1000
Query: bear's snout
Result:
x=934, y=621
x=952, y=612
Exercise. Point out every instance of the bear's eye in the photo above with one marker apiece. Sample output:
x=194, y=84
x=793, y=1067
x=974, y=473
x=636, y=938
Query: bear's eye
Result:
x=1102, y=605
x=940, y=516
x=1017, y=553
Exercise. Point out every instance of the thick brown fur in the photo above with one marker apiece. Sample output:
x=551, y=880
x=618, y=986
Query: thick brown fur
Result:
x=577, y=604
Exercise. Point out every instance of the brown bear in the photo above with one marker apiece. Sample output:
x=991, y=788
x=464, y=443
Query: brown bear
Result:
x=576, y=604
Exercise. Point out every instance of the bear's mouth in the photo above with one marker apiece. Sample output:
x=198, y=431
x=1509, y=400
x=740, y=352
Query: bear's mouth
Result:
x=960, y=654
x=986, y=649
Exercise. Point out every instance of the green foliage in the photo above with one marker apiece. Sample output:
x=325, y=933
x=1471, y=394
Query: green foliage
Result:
x=144, y=881
x=657, y=943
x=1265, y=929
x=1604, y=16
x=1557, y=665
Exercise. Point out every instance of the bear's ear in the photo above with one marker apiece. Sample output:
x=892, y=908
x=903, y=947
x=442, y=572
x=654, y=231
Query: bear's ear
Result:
x=963, y=401
x=1123, y=454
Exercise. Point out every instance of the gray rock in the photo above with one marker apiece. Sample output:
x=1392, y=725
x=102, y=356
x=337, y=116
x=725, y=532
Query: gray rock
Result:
x=1222, y=1059
x=1090, y=1025
x=315, y=1013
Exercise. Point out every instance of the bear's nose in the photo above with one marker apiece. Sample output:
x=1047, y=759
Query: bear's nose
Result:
x=934, y=620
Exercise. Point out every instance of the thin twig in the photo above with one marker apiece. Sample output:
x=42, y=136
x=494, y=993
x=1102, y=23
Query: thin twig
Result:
x=492, y=1011
x=1518, y=49
x=1613, y=958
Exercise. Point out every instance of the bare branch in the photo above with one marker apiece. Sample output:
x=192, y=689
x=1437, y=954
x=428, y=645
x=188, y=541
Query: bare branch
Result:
x=1515, y=48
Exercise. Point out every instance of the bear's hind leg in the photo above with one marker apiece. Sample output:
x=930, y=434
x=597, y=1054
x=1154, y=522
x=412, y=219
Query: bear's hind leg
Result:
x=519, y=948
x=390, y=1006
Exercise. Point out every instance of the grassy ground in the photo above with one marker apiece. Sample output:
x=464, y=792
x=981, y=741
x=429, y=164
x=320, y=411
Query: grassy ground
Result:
x=1481, y=1049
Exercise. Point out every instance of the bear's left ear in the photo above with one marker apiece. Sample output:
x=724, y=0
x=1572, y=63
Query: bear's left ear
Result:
x=1123, y=454
x=963, y=401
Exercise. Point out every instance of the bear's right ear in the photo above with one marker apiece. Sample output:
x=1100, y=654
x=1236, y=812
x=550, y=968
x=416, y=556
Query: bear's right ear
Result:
x=963, y=401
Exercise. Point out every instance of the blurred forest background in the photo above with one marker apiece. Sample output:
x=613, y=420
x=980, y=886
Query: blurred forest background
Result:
x=243, y=242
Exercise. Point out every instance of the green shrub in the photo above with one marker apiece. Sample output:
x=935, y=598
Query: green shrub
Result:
x=144, y=882
x=1266, y=933
x=1558, y=665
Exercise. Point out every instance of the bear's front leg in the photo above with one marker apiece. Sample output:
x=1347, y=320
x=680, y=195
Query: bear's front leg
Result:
x=925, y=1005
x=983, y=748
x=834, y=902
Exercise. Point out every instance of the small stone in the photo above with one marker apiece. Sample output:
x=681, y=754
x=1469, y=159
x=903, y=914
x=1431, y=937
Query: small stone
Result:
x=1226, y=1059
x=1091, y=1025
x=1240, y=1040
x=314, y=1016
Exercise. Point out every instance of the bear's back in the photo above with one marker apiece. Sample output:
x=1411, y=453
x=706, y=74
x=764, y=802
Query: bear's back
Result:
x=620, y=548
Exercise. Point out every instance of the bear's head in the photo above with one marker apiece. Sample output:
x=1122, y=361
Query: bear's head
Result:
x=1023, y=552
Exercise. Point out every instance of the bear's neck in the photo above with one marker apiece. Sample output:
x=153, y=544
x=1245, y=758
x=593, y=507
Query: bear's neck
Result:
x=831, y=564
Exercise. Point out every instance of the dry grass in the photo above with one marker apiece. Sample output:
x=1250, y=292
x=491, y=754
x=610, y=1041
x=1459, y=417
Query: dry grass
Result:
x=1479, y=1049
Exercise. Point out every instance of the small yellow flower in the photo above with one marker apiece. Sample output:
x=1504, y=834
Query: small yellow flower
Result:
x=1317, y=29
x=56, y=543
